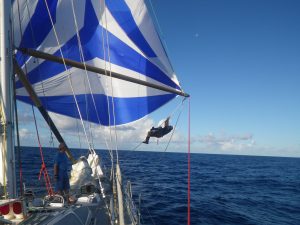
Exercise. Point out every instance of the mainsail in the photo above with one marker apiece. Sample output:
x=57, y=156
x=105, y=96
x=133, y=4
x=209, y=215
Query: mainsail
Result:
x=115, y=35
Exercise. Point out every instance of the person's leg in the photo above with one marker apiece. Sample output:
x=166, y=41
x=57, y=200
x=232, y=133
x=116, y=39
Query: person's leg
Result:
x=66, y=195
x=66, y=187
x=59, y=186
x=147, y=138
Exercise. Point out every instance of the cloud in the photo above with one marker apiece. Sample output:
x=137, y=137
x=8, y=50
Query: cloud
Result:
x=65, y=123
x=128, y=136
x=25, y=117
x=224, y=142
x=25, y=133
x=240, y=144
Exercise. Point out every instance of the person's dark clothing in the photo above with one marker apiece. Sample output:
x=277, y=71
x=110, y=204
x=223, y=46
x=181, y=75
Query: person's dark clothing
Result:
x=62, y=182
x=158, y=132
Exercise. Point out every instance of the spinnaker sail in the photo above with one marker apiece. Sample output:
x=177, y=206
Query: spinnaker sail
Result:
x=117, y=36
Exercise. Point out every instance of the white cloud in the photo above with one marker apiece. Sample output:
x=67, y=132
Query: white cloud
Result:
x=25, y=117
x=128, y=136
x=240, y=144
x=224, y=142
x=25, y=133
x=65, y=123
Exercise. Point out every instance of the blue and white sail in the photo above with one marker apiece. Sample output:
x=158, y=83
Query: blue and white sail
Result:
x=116, y=35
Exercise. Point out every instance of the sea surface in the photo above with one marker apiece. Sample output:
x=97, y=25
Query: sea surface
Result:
x=225, y=189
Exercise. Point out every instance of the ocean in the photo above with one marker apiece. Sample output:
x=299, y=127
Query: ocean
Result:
x=225, y=189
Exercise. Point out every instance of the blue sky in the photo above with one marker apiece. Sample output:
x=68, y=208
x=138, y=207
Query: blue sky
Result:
x=240, y=62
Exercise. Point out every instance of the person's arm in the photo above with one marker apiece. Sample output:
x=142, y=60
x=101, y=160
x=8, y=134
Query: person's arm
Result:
x=167, y=122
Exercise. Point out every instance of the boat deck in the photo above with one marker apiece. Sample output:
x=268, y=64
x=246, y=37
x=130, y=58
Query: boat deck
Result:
x=93, y=213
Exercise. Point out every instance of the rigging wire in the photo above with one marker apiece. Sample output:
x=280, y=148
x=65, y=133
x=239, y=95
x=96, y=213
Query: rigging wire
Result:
x=51, y=141
x=136, y=147
x=179, y=106
x=89, y=83
x=78, y=133
x=152, y=220
x=43, y=166
x=106, y=86
x=38, y=62
x=173, y=132
x=111, y=85
x=113, y=174
x=18, y=139
x=69, y=75
x=87, y=76
x=17, y=124
x=164, y=44
x=189, y=164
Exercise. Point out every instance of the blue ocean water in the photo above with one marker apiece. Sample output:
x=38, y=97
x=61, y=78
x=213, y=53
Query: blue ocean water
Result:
x=225, y=189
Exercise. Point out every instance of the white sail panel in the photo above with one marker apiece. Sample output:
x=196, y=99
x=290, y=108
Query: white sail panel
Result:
x=21, y=20
x=145, y=23
x=65, y=26
x=108, y=22
x=88, y=82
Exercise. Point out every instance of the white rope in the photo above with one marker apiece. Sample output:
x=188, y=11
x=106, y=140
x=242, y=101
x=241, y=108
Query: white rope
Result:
x=111, y=86
x=173, y=130
x=38, y=63
x=106, y=87
x=79, y=138
x=69, y=74
x=83, y=61
x=174, y=111
x=160, y=33
x=177, y=108
x=171, y=115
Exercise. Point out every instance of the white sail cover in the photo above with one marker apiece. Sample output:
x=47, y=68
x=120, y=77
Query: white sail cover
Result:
x=116, y=35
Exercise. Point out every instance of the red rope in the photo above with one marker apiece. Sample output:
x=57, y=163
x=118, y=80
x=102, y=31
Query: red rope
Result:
x=189, y=164
x=43, y=166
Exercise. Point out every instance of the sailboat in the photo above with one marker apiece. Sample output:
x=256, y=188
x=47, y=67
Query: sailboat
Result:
x=97, y=61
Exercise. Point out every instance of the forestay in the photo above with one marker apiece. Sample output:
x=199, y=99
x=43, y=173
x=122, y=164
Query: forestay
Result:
x=115, y=35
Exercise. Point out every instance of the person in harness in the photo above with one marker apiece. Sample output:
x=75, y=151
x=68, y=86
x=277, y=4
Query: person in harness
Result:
x=159, y=132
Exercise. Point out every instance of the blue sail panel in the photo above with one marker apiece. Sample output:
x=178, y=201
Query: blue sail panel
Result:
x=122, y=14
x=126, y=109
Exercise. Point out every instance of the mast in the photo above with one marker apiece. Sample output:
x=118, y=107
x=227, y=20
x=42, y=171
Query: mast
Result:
x=7, y=156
